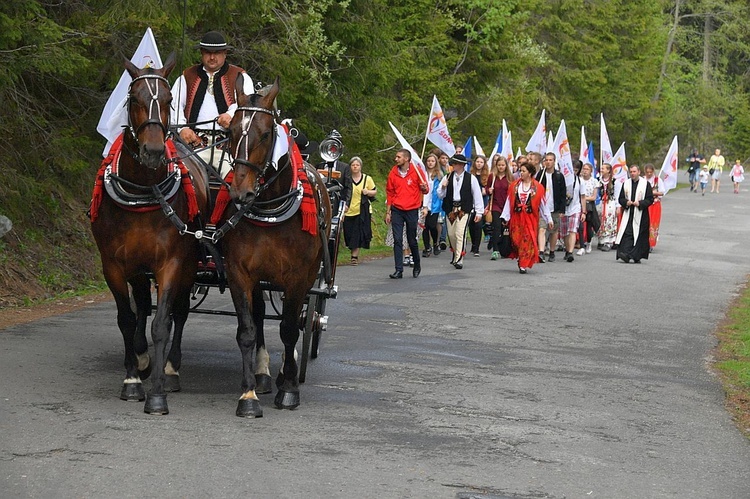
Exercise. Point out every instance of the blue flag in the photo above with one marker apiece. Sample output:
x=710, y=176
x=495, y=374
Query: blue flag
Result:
x=467, y=152
x=595, y=173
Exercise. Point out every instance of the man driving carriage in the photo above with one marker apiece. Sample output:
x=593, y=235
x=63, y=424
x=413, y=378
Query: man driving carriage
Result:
x=204, y=101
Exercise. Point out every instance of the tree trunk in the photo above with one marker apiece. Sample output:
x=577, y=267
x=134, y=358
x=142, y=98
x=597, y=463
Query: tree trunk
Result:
x=707, y=30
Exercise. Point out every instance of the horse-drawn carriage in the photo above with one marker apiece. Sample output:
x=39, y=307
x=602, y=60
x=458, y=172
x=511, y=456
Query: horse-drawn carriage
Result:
x=273, y=236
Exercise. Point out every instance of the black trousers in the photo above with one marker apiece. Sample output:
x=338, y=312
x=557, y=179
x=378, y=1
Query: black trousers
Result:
x=399, y=218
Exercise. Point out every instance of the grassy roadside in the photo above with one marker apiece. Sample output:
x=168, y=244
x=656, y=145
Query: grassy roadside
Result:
x=732, y=360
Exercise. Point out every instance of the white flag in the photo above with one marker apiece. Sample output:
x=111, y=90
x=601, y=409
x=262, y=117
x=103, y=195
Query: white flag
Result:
x=478, y=151
x=619, y=169
x=519, y=153
x=584, y=151
x=437, y=129
x=668, y=172
x=114, y=116
x=508, y=147
x=538, y=141
x=550, y=143
x=415, y=160
x=605, y=155
x=562, y=150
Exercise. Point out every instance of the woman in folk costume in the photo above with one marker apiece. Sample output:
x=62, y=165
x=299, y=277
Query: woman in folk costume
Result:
x=524, y=206
x=632, y=236
x=607, y=209
x=654, y=211
x=738, y=175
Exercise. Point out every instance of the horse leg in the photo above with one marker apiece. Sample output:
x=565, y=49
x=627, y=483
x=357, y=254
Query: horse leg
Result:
x=132, y=388
x=141, y=287
x=287, y=381
x=156, y=400
x=248, y=405
x=174, y=359
x=263, y=379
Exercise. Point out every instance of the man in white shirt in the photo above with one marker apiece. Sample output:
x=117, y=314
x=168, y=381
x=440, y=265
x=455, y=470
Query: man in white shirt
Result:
x=462, y=200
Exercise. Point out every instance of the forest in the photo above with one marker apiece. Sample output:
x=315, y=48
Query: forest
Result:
x=655, y=68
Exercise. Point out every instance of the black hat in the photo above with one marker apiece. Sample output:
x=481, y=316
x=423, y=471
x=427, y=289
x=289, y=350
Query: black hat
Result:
x=457, y=159
x=213, y=41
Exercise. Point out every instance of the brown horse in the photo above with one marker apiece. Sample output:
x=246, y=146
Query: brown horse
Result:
x=282, y=253
x=136, y=239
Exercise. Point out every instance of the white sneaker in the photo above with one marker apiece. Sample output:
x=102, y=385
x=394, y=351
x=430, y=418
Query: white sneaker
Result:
x=588, y=247
x=580, y=252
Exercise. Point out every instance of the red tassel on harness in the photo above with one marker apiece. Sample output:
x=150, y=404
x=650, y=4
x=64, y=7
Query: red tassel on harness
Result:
x=171, y=154
x=98, y=194
x=187, y=183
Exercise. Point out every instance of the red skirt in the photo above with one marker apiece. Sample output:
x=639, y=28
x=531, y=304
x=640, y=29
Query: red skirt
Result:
x=654, y=215
x=524, y=233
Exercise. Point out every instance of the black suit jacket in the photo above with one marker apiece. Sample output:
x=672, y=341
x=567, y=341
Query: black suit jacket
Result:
x=558, y=188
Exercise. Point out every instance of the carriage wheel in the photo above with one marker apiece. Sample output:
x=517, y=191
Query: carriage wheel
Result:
x=307, y=336
x=320, y=309
x=198, y=293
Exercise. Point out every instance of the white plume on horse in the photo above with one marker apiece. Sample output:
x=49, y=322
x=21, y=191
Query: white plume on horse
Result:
x=5, y=225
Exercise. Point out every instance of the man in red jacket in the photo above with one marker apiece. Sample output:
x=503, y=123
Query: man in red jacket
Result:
x=404, y=196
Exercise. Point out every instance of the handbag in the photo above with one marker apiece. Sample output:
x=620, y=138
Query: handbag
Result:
x=592, y=216
x=504, y=245
x=711, y=171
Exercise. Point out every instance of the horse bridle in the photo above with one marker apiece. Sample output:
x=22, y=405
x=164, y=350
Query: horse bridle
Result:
x=260, y=169
x=152, y=105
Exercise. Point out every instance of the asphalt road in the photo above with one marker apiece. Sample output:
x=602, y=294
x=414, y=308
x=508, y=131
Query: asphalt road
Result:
x=583, y=379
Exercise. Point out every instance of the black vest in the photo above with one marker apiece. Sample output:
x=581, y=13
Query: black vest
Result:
x=467, y=199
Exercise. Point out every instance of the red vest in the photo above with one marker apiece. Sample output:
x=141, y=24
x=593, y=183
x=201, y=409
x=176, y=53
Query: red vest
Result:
x=223, y=89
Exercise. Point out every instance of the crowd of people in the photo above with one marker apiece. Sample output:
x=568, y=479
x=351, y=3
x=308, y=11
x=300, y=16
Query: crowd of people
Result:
x=524, y=209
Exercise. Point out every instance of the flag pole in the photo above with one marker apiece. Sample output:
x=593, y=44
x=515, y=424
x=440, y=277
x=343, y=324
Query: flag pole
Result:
x=424, y=144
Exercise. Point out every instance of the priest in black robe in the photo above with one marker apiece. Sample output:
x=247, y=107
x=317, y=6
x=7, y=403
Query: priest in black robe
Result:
x=632, y=236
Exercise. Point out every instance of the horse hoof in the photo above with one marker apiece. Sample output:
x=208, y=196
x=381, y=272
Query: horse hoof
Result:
x=263, y=383
x=286, y=400
x=156, y=404
x=132, y=392
x=249, y=408
x=172, y=383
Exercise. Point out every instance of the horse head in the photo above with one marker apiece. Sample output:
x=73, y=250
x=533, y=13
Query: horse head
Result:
x=148, y=103
x=252, y=132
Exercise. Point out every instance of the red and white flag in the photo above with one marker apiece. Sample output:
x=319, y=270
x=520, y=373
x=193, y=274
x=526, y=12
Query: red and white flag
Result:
x=538, y=141
x=668, y=172
x=584, y=150
x=508, y=147
x=437, y=129
x=562, y=150
x=605, y=155
x=415, y=160
x=620, y=164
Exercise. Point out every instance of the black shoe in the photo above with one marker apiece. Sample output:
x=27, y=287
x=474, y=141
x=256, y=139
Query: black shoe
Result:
x=551, y=257
x=541, y=258
x=416, y=270
x=399, y=274
x=443, y=246
x=521, y=270
x=426, y=253
x=458, y=266
x=569, y=257
x=436, y=250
